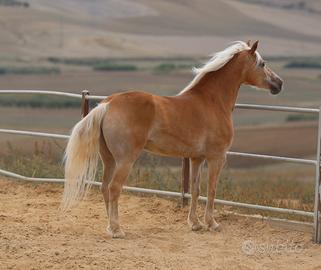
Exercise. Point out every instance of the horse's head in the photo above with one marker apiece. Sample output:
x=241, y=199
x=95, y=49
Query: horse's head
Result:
x=258, y=74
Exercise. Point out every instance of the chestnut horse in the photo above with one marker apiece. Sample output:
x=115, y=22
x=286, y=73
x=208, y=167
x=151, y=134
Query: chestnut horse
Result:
x=196, y=123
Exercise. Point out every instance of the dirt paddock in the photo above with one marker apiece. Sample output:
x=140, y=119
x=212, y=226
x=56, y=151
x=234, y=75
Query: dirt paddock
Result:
x=35, y=235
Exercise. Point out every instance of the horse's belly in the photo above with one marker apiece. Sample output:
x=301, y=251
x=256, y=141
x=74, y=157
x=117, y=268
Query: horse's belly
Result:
x=174, y=148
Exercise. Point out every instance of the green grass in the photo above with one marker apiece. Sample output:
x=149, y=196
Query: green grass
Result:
x=304, y=63
x=14, y=3
x=78, y=61
x=39, y=101
x=90, y=61
x=127, y=64
x=29, y=70
x=165, y=67
x=109, y=66
x=170, y=66
x=301, y=117
x=100, y=64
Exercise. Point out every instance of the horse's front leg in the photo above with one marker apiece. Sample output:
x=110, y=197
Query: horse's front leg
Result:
x=214, y=166
x=196, y=165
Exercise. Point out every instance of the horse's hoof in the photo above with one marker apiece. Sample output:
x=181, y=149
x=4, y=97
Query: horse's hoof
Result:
x=197, y=227
x=214, y=227
x=118, y=233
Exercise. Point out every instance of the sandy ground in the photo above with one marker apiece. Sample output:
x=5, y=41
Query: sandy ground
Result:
x=35, y=235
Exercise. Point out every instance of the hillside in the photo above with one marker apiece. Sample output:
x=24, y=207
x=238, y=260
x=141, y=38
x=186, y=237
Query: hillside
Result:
x=155, y=28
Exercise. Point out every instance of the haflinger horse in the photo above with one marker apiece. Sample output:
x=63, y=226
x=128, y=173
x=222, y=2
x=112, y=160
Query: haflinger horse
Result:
x=196, y=123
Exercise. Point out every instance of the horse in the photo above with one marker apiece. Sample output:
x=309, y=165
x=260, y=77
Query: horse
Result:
x=195, y=124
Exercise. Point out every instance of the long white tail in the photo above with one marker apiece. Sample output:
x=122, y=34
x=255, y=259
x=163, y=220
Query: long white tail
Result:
x=81, y=156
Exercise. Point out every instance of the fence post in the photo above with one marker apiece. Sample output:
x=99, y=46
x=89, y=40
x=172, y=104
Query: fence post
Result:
x=317, y=203
x=84, y=103
x=185, y=179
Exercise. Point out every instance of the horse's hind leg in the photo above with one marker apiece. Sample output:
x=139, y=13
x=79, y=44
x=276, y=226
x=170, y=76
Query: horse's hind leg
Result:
x=108, y=167
x=193, y=220
x=125, y=135
x=121, y=172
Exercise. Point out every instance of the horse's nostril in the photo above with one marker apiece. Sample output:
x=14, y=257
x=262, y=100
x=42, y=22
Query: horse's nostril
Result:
x=276, y=86
x=278, y=83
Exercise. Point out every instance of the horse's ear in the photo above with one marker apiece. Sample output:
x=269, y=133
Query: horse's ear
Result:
x=248, y=43
x=254, y=47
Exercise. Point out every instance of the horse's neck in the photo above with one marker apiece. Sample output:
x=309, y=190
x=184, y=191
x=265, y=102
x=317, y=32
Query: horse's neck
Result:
x=221, y=87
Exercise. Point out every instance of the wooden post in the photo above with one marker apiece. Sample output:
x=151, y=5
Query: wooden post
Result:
x=185, y=180
x=317, y=204
x=84, y=103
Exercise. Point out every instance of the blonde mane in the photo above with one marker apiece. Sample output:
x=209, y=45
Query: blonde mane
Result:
x=217, y=61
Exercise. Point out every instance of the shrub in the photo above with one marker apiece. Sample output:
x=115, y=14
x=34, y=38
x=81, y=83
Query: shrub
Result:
x=40, y=163
x=76, y=61
x=14, y=3
x=108, y=66
x=2, y=71
x=29, y=70
x=165, y=67
x=95, y=63
x=39, y=101
x=315, y=64
x=301, y=117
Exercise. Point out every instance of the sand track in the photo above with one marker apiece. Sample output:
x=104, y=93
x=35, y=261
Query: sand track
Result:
x=34, y=235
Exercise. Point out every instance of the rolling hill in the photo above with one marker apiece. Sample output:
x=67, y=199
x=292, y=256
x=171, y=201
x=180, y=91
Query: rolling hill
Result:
x=145, y=28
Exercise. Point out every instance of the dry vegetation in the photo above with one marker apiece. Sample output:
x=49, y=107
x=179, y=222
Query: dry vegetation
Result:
x=274, y=185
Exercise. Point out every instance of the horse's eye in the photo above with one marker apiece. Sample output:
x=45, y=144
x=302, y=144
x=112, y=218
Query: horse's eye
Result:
x=262, y=64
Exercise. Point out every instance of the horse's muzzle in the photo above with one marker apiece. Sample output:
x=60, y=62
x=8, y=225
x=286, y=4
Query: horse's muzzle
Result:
x=275, y=85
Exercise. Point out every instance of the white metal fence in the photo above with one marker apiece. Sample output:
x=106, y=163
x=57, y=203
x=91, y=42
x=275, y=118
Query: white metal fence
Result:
x=85, y=97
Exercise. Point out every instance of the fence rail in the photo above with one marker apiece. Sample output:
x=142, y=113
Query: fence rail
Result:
x=170, y=194
x=85, y=97
x=34, y=133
